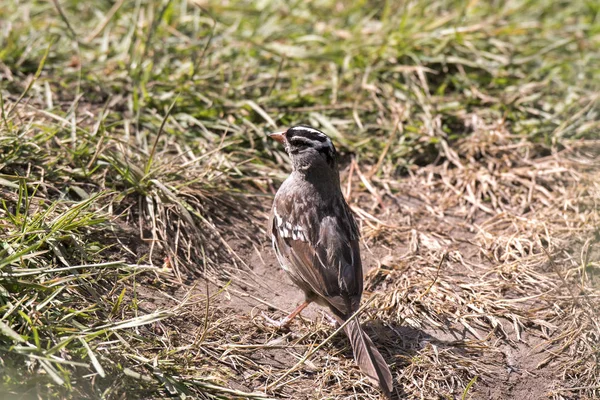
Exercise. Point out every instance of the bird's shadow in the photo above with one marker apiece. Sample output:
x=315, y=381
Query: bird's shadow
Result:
x=400, y=344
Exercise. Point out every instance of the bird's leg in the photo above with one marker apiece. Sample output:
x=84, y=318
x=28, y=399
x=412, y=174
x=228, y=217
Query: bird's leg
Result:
x=285, y=321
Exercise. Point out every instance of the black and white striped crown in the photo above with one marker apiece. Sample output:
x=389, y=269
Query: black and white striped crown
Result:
x=302, y=135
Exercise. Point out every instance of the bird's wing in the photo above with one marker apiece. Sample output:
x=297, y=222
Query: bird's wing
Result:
x=319, y=248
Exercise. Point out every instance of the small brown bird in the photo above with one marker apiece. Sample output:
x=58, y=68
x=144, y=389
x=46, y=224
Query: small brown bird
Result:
x=316, y=237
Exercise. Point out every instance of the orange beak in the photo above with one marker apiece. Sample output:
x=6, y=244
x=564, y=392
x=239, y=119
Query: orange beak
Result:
x=278, y=136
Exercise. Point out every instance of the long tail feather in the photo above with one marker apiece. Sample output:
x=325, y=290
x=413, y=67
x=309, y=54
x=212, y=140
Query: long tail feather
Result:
x=368, y=358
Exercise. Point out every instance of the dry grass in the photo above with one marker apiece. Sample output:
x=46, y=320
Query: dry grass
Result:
x=515, y=267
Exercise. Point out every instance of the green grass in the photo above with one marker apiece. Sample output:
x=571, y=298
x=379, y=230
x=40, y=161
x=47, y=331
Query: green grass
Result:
x=150, y=122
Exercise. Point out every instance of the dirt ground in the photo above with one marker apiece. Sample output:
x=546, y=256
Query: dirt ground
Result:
x=514, y=361
x=469, y=302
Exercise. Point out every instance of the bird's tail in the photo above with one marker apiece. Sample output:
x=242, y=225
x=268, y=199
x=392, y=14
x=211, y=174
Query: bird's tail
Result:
x=368, y=358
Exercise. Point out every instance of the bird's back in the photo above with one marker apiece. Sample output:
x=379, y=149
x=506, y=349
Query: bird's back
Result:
x=316, y=239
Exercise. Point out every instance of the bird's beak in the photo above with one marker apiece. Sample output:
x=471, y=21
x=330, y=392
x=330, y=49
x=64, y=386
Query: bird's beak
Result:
x=279, y=136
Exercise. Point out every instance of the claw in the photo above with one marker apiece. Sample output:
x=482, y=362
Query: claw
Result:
x=285, y=321
x=282, y=323
x=331, y=321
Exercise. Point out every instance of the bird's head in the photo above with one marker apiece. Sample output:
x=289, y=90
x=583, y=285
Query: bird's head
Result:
x=308, y=147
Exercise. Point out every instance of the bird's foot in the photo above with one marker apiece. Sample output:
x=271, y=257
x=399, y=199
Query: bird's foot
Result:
x=285, y=321
x=331, y=321
x=281, y=324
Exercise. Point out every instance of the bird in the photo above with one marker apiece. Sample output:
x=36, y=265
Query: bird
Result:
x=316, y=241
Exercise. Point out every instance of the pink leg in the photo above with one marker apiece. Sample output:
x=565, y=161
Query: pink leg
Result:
x=285, y=321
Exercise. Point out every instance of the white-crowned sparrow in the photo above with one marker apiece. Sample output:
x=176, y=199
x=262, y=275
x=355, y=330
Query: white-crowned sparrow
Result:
x=316, y=237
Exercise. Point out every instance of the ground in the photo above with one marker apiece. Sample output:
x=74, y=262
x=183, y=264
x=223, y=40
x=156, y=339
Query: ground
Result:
x=457, y=299
x=136, y=180
x=461, y=296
